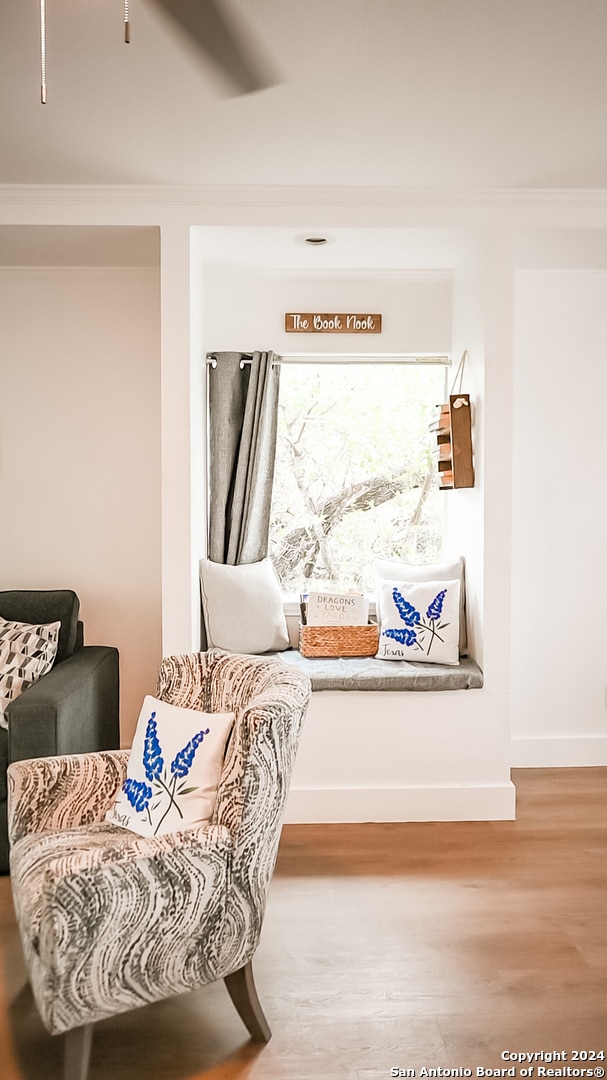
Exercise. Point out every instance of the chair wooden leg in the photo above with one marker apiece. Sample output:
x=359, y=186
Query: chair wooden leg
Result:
x=241, y=988
x=77, y=1052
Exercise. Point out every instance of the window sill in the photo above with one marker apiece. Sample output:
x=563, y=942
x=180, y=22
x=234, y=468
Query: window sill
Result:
x=369, y=673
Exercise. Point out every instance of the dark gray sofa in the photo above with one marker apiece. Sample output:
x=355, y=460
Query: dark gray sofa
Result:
x=72, y=709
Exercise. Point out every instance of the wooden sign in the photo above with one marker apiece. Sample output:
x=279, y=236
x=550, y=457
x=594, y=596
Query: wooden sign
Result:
x=454, y=443
x=310, y=322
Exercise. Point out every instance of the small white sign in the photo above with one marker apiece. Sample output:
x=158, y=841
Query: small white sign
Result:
x=337, y=609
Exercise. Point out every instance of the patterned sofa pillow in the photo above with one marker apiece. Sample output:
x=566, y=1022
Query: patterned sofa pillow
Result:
x=174, y=769
x=27, y=652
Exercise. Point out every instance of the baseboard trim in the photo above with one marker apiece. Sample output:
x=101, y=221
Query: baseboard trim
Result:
x=333, y=805
x=567, y=751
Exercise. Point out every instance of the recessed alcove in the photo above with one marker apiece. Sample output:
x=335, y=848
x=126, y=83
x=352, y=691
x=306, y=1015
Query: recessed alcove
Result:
x=388, y=755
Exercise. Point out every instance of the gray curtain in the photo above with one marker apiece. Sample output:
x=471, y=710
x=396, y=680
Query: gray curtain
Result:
x=243, y=415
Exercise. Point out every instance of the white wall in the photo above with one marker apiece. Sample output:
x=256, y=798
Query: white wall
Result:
x=404, y=756
x=465, y=516
x=244, y=309
x=559, y=519
x=80, y=454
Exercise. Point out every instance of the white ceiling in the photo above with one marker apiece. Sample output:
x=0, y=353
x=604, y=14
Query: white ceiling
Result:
x=456, y=94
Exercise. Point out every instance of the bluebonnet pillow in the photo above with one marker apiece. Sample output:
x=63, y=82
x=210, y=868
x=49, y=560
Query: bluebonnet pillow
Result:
x=174, y=769
x=388, y=570
x=419, y=621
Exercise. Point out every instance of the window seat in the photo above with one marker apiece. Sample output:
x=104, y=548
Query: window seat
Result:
x=369, y=673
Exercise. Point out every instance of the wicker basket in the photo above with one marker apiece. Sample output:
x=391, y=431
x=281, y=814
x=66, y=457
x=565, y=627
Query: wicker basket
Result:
x=339, y=640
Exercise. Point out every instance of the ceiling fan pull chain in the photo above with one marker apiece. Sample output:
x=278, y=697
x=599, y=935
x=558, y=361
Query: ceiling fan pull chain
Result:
x=127, y=22
x=43, y=51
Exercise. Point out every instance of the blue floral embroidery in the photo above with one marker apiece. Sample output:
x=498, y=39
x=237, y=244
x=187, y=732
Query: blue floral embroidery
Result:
x=417, y=633
x=407, y=612
x=140, y=794
x=182, y=762
x=435, y=609
x=153, y=762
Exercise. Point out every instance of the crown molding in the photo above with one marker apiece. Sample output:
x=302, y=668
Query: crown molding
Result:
x=267, y=196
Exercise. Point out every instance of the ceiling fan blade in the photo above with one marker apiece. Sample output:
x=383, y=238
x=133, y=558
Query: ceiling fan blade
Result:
x=209, y=27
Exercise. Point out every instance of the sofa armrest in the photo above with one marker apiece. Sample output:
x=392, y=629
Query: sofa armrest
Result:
x=73, y=709
x=55, y=793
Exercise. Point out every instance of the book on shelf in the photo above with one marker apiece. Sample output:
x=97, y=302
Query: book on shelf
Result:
x=335, y=609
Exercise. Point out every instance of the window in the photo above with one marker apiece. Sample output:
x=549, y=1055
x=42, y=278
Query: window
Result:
x=355, y=475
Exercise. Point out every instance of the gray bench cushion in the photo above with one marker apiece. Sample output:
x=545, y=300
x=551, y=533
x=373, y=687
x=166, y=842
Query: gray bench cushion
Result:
x=368, y=673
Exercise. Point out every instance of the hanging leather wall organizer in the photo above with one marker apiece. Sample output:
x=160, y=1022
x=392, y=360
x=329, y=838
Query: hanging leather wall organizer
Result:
x=453, y=430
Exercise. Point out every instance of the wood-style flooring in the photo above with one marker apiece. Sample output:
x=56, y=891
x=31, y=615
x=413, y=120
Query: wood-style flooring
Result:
x=385, y=947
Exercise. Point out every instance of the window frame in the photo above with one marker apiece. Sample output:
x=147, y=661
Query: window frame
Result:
x=291, y=600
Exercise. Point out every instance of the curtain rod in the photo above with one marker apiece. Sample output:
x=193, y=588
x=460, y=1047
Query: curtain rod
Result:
x=349, y=358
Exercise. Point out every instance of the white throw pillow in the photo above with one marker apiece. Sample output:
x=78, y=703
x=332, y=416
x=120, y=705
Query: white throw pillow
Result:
x=174, y=769
x=242, y=606
x=27, y=652
x=419, y=621
x=445, y=571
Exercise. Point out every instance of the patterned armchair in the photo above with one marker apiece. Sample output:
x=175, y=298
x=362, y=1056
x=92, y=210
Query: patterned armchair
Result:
x=111, y=920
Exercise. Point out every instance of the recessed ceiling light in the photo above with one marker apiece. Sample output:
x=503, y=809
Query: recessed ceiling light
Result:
x=314, y=239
